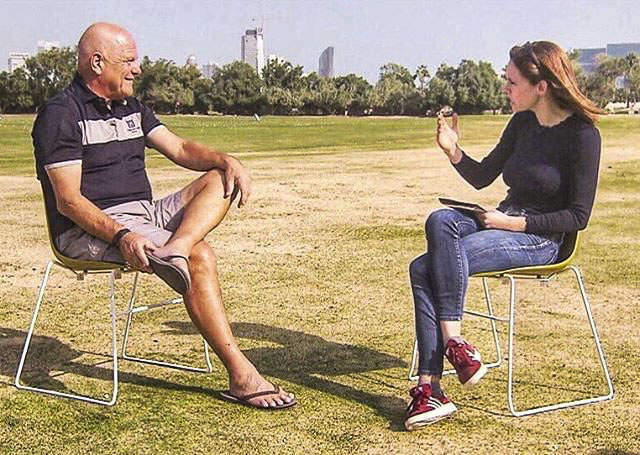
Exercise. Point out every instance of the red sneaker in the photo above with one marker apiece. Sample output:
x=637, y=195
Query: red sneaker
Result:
x=425, y=408
x=467, y=362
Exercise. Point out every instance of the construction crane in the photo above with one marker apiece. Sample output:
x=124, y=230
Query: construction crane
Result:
x=262, y=20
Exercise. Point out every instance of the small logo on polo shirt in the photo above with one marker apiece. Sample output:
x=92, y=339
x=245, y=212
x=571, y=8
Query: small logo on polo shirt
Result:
x=132, y=126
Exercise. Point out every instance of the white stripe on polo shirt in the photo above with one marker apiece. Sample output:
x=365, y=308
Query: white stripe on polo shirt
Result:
x=63, y=164
x=113, y=129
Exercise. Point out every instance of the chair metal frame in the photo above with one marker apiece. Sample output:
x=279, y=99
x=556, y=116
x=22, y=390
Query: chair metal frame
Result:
x=543, y=274
x=81, y=269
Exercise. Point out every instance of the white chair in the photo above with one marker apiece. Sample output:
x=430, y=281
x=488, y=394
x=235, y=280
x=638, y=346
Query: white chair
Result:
x=543, y=274
x=81, y=269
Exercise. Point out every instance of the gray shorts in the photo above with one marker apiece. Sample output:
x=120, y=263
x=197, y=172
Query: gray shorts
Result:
x=156, y=220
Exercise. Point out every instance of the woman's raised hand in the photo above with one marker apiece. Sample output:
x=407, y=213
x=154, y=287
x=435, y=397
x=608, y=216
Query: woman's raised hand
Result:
x=447, y=137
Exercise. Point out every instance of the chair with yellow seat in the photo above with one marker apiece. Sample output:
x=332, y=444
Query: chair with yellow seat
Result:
x=82, y=268
x=543, y=274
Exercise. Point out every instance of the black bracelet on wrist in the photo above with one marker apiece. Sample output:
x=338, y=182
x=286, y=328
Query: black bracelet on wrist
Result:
x=118, y=237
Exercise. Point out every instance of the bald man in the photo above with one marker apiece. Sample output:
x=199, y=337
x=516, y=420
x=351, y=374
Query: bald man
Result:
x=89, y=145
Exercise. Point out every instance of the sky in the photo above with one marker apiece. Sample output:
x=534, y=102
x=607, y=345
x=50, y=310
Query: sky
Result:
x=365, y=34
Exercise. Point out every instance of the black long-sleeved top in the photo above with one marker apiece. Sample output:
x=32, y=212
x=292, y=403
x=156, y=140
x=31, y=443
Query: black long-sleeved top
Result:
x=551, y=172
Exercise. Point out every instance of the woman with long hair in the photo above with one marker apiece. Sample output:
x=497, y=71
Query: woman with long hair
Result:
x=548, y=156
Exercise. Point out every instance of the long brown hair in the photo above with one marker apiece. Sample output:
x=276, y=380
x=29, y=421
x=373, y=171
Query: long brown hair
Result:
x=544, y=60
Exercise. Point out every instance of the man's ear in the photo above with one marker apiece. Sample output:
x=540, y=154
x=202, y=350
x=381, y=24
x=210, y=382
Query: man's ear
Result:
x=97, y=62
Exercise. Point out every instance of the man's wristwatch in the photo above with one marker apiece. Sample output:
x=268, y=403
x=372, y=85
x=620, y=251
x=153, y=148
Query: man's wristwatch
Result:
x=118, y=237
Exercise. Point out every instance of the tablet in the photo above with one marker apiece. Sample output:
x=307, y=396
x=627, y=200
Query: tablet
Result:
x=470, y=206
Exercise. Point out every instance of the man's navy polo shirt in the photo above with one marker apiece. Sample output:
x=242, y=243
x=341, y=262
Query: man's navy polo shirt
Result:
x=77, y=127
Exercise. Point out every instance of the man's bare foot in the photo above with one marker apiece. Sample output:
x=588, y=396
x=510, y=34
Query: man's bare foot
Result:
x=255, y=384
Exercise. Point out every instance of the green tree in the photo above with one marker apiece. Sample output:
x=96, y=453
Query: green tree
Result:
x=397, y=72
x=447, y=73
x=601, y=84
x=49, y=72
x=422, y=76
x=630, y=65
x=323, y=96
x=203, y=95
x=187, y=76
x=394, y=88
x=237, y=89
x=360, y=93
x=634, y=81
x=15, y=92
x=283, y=83
x=477, y=87
x=278, y=73
x=165, y=87
x=440, y=93
x=310, y=86
x=283, y=101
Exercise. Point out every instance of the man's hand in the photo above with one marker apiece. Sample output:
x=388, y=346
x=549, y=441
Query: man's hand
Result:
x=495, y=219
x=236, y=179
x=447, y=137
x=132, y=247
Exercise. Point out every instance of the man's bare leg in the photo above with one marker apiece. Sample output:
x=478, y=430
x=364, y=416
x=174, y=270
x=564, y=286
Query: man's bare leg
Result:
x=204, y=305
x=205, y=208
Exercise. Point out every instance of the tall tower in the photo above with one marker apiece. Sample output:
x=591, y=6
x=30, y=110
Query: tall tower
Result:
x=325, y=63
x=210, y=69
x=252, y=48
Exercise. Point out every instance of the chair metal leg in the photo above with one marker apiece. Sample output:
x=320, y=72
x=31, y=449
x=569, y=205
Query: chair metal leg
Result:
x=511, y=343
x=25, y=349
x=594, y=331
x=601, y=355
x=132, y=309
x=512, y=314
x=492, y=318
x=414, y=362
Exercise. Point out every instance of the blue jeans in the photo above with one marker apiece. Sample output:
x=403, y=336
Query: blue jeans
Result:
x=458, y=246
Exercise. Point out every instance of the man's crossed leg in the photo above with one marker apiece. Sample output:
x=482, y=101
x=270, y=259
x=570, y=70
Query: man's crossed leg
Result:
x=176, y=226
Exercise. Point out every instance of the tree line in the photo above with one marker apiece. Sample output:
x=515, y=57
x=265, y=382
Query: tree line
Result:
x=283, y=88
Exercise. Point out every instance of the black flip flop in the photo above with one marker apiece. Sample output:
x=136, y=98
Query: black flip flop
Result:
x=227, y=395
x=170, y=273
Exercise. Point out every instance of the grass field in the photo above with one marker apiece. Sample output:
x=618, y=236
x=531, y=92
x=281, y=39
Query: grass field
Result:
x=314, y=276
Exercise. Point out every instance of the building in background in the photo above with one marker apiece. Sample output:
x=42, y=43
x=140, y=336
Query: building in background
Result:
x=622, y=49
x=325, y=63
x=191, y=61
x=47, y=45
x=252, y=48
x=17, y=60
x=209, y=69
x=588, y=58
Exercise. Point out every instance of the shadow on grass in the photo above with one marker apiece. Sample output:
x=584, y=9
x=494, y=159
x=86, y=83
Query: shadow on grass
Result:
x=49, y=358
x=307, y=360
x=299, y=358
